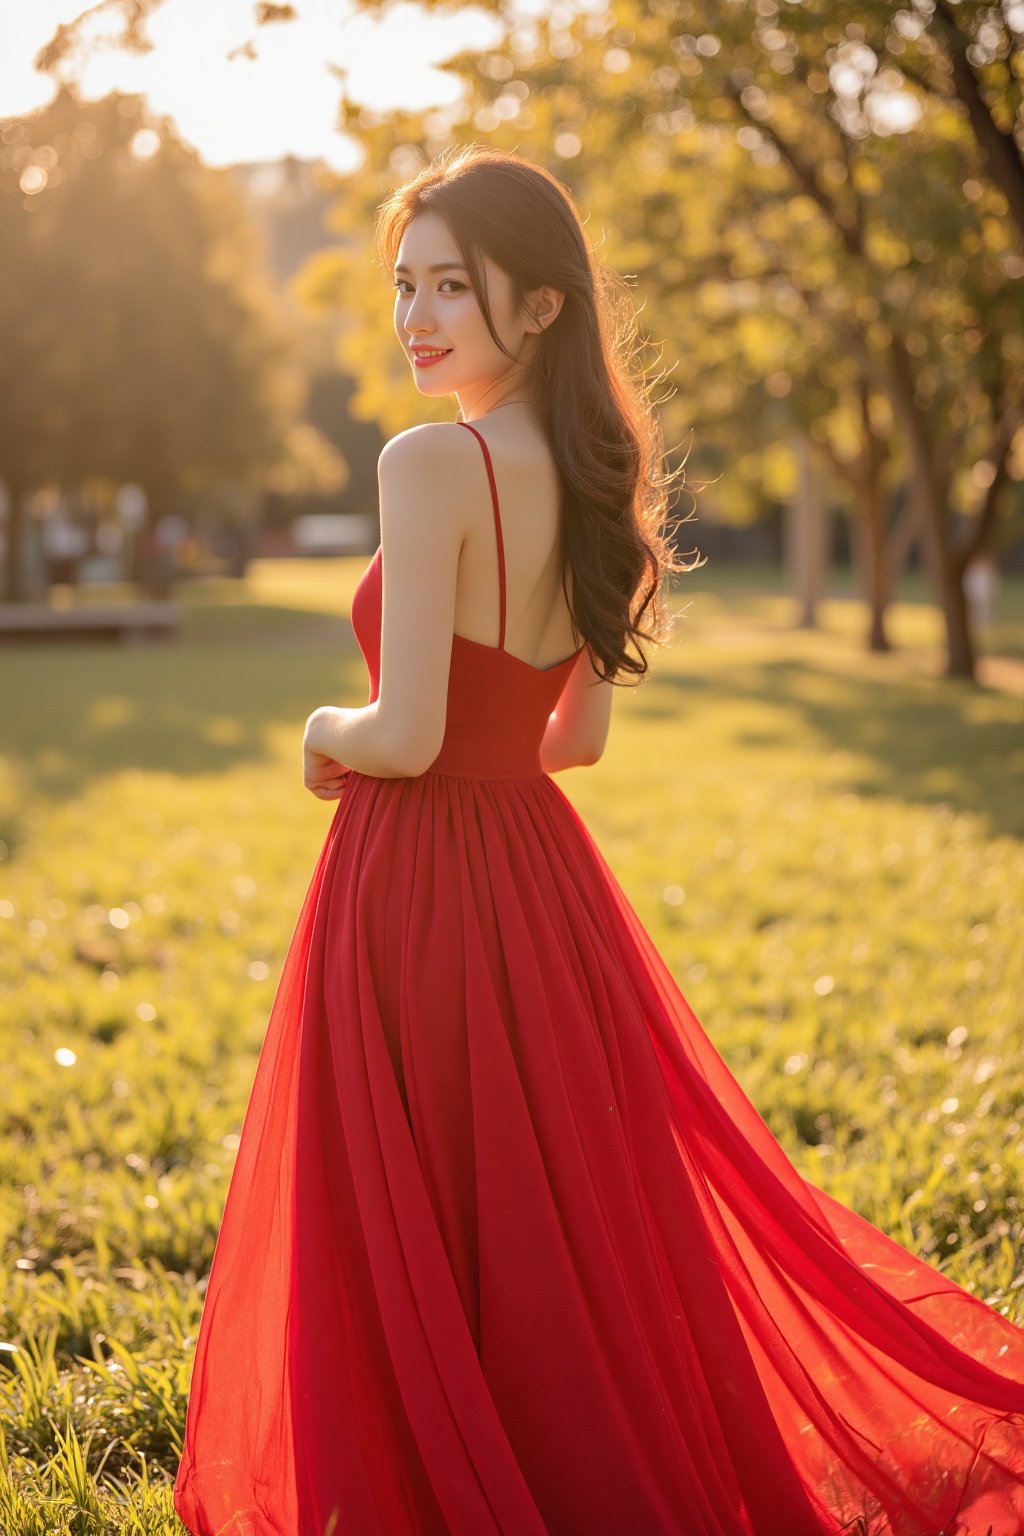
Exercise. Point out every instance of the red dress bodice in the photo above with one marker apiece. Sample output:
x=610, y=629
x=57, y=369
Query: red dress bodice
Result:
x=498, y=704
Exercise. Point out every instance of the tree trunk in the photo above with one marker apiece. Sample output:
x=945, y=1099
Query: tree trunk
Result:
x=14, y=574
x=932, y=476
x=867, y=529
x=869, y=523
x=905, y=534
x=960, y=661
x=877, y=593
x=806, y=534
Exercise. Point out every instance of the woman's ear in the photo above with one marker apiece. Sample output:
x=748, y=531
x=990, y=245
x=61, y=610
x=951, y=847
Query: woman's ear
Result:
x=542, y=306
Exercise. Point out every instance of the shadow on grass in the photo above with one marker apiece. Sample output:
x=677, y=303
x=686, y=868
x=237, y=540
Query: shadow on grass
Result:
x=930, y=741
x=203, y=704
x=242, y=671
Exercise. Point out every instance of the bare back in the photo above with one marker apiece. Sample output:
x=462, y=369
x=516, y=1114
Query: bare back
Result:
x=537, y=626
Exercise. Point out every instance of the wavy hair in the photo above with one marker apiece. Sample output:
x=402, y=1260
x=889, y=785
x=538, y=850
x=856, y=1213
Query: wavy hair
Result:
x=593, y=402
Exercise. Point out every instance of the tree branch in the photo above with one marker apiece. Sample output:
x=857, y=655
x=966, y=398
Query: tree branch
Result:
x=998, y=149
x=850, y=234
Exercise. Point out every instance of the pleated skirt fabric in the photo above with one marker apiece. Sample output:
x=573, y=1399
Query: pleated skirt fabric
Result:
x=507, y=1251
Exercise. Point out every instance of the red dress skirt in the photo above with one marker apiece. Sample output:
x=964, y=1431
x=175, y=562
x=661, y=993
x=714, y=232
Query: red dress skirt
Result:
x=507, y=1251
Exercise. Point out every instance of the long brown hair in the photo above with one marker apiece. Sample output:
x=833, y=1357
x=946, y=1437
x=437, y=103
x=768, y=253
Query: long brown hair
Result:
x=594, y=405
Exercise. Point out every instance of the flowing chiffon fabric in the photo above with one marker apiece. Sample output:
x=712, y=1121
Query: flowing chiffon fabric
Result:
x=507, y=1251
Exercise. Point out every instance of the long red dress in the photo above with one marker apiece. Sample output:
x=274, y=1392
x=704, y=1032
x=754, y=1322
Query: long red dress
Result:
x=508, y=1252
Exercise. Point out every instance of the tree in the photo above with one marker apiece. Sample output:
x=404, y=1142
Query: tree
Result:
x=760, y=169
x=794, y=265
x=804, y=89
x=141, y=341
x=964, y=52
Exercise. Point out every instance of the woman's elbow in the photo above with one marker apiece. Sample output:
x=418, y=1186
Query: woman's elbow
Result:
x=411, y=756
x=593, y=744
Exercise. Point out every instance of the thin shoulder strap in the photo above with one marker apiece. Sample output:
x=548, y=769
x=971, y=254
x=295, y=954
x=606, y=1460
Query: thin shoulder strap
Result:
x=497, y=532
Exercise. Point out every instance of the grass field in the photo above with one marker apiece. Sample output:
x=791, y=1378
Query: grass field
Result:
x=826, y=847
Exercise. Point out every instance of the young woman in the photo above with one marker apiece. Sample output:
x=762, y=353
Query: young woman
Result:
x=506, y=1250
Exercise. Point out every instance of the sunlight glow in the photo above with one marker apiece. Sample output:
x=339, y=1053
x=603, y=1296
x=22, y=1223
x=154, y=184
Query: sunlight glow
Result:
x=239, y=93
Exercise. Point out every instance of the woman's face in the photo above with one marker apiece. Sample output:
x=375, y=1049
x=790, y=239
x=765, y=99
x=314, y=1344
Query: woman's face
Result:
x=438, y=310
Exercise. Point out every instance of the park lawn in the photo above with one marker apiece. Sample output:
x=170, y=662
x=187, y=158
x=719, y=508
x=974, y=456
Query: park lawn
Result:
x=826, y=847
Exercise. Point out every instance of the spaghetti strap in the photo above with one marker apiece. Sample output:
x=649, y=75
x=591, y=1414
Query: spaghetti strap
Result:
x=497, y=533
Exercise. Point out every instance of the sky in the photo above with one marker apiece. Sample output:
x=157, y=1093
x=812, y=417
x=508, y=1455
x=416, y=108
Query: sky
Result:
x=283, y=102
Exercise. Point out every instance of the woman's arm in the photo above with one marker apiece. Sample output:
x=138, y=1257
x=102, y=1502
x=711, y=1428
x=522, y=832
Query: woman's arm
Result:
x=353, y=738
x=577, y=730
x=424, y=475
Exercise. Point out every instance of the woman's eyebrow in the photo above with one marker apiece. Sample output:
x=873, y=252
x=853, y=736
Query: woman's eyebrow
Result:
x=439, y=266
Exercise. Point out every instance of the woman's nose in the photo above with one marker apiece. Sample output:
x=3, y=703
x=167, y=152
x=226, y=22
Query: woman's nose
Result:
x=417, y=316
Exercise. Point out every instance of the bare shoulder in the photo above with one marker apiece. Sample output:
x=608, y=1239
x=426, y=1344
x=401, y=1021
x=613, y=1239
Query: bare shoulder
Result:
x=433, y=471
x=433, y=444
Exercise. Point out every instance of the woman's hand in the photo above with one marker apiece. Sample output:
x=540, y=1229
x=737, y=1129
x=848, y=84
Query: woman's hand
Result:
x=322, y=775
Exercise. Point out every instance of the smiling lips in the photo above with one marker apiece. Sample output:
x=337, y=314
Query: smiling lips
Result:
x=425, y=357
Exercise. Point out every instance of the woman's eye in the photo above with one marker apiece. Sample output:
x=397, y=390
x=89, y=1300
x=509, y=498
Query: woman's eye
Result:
x=403, y=283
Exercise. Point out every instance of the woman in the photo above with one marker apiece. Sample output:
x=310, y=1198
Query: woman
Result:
x=507, y=1251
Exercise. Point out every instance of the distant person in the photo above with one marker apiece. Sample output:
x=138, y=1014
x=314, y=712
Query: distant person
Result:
x=159, y=546
x=171, y=532
x=981, y=585
x=65, y=545
x=507, y=1251
x=236, y=549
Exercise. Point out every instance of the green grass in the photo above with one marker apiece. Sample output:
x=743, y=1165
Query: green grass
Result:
x=825, y=846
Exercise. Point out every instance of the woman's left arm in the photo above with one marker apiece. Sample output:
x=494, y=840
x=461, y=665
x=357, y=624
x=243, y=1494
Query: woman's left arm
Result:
x=421, y=474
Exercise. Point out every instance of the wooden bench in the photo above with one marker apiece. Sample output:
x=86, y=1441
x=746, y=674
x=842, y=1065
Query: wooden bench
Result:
x=126, y=622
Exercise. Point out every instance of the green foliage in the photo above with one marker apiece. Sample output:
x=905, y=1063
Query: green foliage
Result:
x=141, y=339
x=779, y=233
x=823, y=249
x=823, y=846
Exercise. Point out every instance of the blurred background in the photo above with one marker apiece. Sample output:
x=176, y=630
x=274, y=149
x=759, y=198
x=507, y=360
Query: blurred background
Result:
x=815, y=801
x=821, y=211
